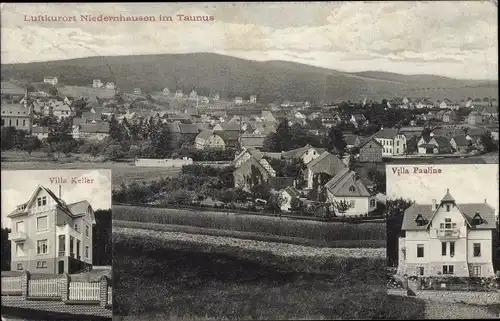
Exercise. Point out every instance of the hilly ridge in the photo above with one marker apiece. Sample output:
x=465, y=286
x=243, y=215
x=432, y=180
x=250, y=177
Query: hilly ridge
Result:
x=271, y=80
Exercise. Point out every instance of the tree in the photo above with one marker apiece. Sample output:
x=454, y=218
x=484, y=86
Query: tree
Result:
x=8, y=137
x=394, y=210
x=114, y=129
x=161, y=140
x=336, y=140
x=5, y=249
x=102, y=243
x=341, y=207
x=488, y=143
x=30, y=144
x=114, y=152
x=53, y=91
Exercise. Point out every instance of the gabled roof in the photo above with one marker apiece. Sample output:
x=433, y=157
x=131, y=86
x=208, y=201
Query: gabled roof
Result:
x=386, y=133
x=230, y=126
x=229, y=136
x=326, y=163
x=252, y=141
x=298, y=152
x=442, y=141
x=94, y=128
x=351, y=139
x=447, y=197
x=461, y=140
x=368, y=140
x=347, y=183
x=204, y=135
x=252, y=151
x=468, y=211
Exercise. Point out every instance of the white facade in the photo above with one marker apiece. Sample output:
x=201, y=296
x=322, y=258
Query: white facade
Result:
x=393, y=146
x=97, y=83
x=358, y=205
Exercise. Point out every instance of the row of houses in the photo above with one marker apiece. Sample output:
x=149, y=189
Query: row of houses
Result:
x=322, y=168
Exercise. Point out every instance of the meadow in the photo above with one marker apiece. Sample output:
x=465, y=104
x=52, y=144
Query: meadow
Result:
x=165, y=276
x=320, y=231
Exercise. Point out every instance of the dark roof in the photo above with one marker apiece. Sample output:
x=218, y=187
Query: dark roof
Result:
x=447, y=197
x=486, y=212
x=370, y=139
x=252, y=141
x=461, y=140
x=229, y=136
x=94, y=128
x=350, y=139
x=442, y=141
x=326, y=163
x=387, y=133
x=298, y=152
x=347, y=183
x=230, y=127
x=205, y=134
x=279, y=183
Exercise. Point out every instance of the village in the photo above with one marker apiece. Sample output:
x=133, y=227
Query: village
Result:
x=326, y=157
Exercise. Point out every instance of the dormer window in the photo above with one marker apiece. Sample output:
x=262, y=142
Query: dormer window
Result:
x=420, y=220
x=477, y=220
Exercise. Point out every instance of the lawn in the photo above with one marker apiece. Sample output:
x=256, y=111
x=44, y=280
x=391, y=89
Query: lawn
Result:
x=122, y=172
x=321, y=231
x=161, y=277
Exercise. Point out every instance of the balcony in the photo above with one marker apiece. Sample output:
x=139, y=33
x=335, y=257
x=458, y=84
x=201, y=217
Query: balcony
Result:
x=448, y=233
x=41, y=209
x=62, y=253
x=17, y=236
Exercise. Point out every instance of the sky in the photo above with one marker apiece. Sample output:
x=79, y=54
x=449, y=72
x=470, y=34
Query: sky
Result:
x=468, y=183
x=18, y=187
x=456, y=39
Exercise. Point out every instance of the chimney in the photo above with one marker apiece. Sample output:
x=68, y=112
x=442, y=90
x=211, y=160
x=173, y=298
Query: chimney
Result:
x=485, y=201
x=434, y=205
x=59, y=191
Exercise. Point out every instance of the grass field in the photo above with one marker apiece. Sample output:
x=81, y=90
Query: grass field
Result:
x=321, y=231
x=161, y=276
x=121, y=172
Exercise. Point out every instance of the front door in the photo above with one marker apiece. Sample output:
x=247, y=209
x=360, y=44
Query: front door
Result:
x=429, y=150
x=61, y=267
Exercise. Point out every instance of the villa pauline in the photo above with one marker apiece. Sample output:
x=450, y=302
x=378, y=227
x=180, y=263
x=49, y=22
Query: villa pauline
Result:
x=447, y=239
x=50, y=236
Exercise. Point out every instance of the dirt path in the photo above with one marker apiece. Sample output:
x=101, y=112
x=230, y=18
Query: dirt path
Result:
x=436, y=310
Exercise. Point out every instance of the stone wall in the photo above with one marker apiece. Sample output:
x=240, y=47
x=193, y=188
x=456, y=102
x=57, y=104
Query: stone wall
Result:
x=172, y=163
x=480, y=298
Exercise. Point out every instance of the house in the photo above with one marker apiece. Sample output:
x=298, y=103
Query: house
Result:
x=370, y=151
x=110, y=85
x=434, y=145
x=411, y=131
x=178, y=93
x=41, y=132
x=490, y=112
x=306, y=153
x=251, y=173
x=447, y=239
x=50, y=236
x=352, y=140
x=264, y=129
x=62, y=110
x=393, y=142
x=267, y=116
x=94, y=115
x=245, y=155
x=204, y=100
x=208, y=139
x=166, y=91
x=358, y=120
x=238, y=100
x=328, y=119
x=16, y=116
x=252, y=141
x=137, y=91
x=227, y=127
x=183, y=133
x=216, y=97
x=231, y=138
x=96, y=131
x=97, y=83
x=459, y=143
x=449, y=116
x=50, y=80
x=288, y=195
x=253, y=99
x=326, y=163
x=347, y=188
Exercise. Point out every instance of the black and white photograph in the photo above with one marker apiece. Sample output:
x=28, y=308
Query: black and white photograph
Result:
x=56, y=245
x=443, y=237
x=262, y=155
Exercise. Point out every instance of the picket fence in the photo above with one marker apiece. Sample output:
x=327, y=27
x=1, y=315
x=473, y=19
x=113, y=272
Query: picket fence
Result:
x=44, y=288
x=84, y=291
x=11, y=284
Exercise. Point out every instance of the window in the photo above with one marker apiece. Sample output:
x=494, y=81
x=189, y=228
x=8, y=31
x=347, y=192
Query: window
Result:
x=42, y=223
x=42, y=201
x=420, y=250
x=452, y=248
x=42, y=247
x=17, y=121
x=24, y=122
x=20, y=249
x=76, y=227
x=86, y=252
x=443, y=248
x=477, y=249
x=19, y=266
x=397, y=143
x=20, y=226
x=447, y=208
x=87, y=231
x=477, y=220
x=351, y=189
x=41, y=264
x=441, y=225
x=447, y=223
x=352, y=203
x=10, y=122
x=420, y=270
x=476, y=271
x=448, y=269
x=372, y=203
